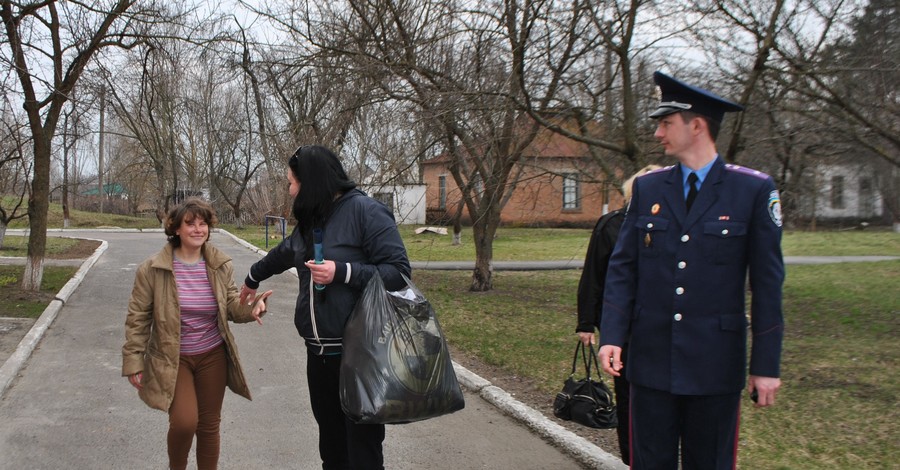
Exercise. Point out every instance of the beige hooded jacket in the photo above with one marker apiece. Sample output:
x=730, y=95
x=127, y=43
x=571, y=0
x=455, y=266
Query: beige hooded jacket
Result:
x=153, y=326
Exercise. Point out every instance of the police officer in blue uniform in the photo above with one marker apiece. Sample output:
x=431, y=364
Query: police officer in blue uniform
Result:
x=675, y=291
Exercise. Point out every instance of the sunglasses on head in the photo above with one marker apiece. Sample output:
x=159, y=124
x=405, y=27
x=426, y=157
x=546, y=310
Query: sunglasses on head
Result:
x=293, y=160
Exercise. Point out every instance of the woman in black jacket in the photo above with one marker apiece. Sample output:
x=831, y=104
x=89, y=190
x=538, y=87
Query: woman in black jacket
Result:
x=590, y=297
x=359, y=239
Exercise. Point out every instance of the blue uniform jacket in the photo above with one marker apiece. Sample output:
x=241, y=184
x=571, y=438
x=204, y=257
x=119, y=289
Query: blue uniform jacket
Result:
x=675, y=290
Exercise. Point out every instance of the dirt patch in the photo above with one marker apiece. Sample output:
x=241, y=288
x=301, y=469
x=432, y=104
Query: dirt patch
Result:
x=83, y=249
x=80, y=249
x=525, y=391
x=14, y=294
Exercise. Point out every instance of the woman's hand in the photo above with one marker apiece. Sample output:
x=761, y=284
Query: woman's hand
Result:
x=586, y=338
x=135, y=380
x=247, y=294
x=322, y=274
x=259, y=308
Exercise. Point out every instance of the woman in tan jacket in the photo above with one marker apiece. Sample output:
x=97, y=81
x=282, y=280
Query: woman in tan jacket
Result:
x=179, y=352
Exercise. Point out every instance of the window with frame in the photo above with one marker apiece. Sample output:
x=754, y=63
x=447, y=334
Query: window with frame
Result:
x=837, y=192
x=571, y=192
x=866, y=198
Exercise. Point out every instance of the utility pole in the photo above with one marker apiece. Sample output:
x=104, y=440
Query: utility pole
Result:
x=100, y=192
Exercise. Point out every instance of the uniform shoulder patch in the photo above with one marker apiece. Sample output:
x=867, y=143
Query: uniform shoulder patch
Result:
x=774, y=206
x=745, y=171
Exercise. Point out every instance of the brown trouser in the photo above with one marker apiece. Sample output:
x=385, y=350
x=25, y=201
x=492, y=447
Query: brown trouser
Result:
x=196, y=409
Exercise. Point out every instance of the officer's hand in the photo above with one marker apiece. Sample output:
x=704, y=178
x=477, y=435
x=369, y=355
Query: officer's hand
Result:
x=765, y=387
x=610, y=358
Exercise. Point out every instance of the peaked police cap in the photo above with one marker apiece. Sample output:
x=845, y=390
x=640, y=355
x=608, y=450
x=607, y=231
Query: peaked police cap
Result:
x=678, y=96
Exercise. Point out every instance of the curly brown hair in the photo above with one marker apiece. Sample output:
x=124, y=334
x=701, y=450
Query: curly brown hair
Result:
x=189, y=210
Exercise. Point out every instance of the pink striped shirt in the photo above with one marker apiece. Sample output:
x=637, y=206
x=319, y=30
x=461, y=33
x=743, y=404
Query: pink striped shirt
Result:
x=199, y=309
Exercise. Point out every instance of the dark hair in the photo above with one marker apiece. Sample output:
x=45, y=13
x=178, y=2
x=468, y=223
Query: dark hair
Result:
x=189, y=210
x=711, y=124
x=321, y=177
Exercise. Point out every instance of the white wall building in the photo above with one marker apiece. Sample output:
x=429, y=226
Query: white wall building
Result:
x=847, y=191
x=407, y=201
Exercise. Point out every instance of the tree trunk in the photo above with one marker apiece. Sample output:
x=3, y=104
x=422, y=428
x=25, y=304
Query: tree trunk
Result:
x=457, y=224
x=65, y=187
x=38, y=207
x=483, y=232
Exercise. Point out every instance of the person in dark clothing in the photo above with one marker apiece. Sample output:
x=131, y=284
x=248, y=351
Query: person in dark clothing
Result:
x=695, y=236
x=359, y=240
x=590, y=296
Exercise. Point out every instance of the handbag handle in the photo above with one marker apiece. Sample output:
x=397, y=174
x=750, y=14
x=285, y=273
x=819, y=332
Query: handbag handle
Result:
x=587, y=360
x=593, y=360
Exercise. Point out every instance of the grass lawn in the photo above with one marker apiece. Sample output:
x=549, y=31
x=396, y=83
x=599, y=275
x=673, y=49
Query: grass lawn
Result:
x=528, y=244
x=838, y=404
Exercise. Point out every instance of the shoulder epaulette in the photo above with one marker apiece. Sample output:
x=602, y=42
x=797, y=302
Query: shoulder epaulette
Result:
x=658, y=170
x=745, y=171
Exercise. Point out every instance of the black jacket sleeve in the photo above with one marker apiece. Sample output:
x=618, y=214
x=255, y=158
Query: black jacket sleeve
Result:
x=277, y=261
x=593, y=275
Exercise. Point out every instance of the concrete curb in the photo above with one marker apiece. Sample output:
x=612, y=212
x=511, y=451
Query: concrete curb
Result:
x=16, y=361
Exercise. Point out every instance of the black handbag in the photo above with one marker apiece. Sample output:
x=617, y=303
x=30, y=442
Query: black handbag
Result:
x=586, y=401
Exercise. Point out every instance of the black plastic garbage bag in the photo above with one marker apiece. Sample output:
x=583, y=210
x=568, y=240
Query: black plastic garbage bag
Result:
x=396, y=367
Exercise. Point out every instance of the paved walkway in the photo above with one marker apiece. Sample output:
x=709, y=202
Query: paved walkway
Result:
x=65, y=405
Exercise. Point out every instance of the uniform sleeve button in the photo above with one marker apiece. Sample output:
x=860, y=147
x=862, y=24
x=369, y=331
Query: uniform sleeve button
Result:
x=650, y=225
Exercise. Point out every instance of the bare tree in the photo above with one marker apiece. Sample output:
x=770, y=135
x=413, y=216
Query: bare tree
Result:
x=223, y=126
x=73, y=132
x=62, y=38
x=14, y=169
x=819, y=78
x=150, y=108
x=462, y=66
x=855, y=79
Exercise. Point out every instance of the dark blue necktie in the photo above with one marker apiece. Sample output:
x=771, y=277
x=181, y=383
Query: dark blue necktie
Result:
x=692, y=190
